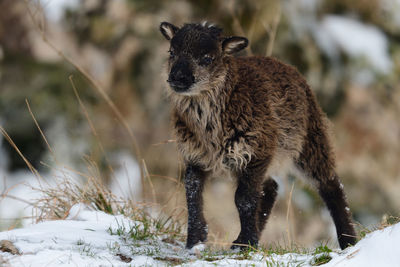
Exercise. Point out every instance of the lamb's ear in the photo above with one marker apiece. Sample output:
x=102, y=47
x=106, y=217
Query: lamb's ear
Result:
x=168, y=30
x=234, y=44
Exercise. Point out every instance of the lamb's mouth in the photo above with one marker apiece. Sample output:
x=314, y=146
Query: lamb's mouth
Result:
x=178, y=86
x=181, y=88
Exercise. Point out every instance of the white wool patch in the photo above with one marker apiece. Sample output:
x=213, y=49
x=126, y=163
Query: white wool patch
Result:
x=239, y=155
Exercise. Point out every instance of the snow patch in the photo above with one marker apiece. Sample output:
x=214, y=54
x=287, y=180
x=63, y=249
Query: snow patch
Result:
x=126, y=181
x=15, y=206
x=354, y=38
x=74, y=242
x=84, y=239
x=379, y=248
x=392, y=9
x=54, y=9
x=75, y=212
x=197, y=249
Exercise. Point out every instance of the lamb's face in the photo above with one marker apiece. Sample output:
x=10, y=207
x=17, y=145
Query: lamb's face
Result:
x=196, y=52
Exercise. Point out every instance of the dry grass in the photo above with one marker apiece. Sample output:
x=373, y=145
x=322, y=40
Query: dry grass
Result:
x=68, y=187
x=57, y=199
x=387, y=220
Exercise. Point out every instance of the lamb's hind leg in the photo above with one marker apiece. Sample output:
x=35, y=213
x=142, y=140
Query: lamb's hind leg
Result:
x=331, y=190
x=317, y=162
x=266, y=202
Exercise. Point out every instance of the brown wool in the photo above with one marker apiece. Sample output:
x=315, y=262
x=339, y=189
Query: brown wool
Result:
x=253, y=117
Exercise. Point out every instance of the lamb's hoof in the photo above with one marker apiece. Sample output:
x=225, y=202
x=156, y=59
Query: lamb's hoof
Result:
x=236, y=247
x=240, y=245
x=347, y=241
x=197, y=249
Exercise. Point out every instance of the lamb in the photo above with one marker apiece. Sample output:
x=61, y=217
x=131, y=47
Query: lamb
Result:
x=251, y=117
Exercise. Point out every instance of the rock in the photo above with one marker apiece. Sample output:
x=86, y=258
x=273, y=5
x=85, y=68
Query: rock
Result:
x=8, y=246
x=3, y=262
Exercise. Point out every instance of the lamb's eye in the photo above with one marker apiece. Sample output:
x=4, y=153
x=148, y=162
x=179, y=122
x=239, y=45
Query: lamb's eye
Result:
x=171, y=53
x=206, y=60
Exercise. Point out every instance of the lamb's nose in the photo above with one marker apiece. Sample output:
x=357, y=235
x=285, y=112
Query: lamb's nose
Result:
x=179, y=76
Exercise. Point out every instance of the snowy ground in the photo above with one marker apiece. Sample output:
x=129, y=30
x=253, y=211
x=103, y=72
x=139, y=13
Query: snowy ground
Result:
x=92, y=238
x=17, y=194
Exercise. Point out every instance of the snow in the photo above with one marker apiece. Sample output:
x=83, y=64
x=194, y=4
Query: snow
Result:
x=17, y=186
x=379, y=248
x=354, y=38
x=126, y=181
x=391, y=9
x=54, y=9
x=81, y=240
x=336, y=34
x=196, y=249
x=84, y=239
x=14, y=186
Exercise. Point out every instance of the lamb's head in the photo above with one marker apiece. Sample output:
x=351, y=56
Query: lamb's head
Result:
x=196, y=56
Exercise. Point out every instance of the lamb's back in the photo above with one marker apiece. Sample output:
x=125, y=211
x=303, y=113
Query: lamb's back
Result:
x=273, y=98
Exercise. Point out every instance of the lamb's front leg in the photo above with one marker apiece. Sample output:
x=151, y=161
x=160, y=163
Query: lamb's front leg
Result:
x=197, y=227
x=247, y=198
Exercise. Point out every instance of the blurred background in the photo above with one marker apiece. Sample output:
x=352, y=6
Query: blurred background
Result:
x=349, y=52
